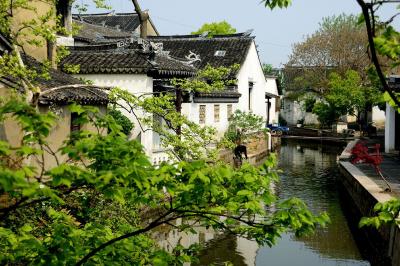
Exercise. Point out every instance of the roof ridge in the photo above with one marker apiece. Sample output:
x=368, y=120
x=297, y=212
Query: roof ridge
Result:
x=111, y=13
x=199, y=37
x=93, y=24
x=115, y=29
x=174, y=58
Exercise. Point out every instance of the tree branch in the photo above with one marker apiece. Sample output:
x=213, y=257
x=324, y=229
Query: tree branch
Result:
x=159, y=221
x=365, y=7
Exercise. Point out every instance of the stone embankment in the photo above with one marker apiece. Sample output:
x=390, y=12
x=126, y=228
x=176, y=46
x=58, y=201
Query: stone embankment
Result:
x=258, y=147
x=364, y=189
x=312, y=133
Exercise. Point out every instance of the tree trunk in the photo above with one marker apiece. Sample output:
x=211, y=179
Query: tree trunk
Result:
x=178, y=108
x=143, y=17
x=50, y=54
x=64, y=8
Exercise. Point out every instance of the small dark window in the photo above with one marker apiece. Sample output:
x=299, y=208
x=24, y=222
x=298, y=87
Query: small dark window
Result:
x=75, y=125
x=251, y=84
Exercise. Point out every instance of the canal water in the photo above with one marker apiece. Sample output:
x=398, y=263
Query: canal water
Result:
x=309, y=172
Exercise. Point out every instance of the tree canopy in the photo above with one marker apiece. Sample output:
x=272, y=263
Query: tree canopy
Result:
x=382, y=41
x=339, y=45
x=346, y=94
x=216, y=28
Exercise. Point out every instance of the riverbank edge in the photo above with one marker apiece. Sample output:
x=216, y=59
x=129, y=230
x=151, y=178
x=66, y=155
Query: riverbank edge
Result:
x=365, y=193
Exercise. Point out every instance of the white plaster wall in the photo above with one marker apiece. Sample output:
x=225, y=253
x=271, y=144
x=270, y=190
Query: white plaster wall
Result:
x=136, y=84
x=272, y=87
x=378, y=117
x=65, y=41
x=251, y=71
x=248, y=249
x=293, y=111
x=390, y=128
x=191, y=110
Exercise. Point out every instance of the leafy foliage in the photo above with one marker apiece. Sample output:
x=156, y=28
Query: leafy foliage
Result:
x=326, y=114
x=208, y=79
x=89, y=206
x=309, y=103
x=216, y=28
x=242, y=125
x=346, y=95
x=386, y=213
x=339, y=45
x=277, y=3
x=194, y=142
x=121, y=120
x=268, y=69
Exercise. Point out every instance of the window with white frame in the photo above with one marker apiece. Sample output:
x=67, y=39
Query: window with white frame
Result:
x=216, y=112
x=229, y=111
x=202, y=114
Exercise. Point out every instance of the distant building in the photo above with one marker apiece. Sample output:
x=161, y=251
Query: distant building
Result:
x=293, y=107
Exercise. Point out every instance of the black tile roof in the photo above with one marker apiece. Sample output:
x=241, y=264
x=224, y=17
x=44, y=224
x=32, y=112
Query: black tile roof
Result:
x=91, y=33
x=82, y=94
x=59, y=87
x=236, y=47
x=108, y=59
x=128, y=22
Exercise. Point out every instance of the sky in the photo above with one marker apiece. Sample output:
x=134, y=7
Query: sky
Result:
x=276, y=31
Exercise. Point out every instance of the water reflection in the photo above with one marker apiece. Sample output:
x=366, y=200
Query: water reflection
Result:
x=309, y=172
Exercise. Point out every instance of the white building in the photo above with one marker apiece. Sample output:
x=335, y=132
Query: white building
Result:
x=132, y=69
x=122, y=64
x=293, y=111
x=253, y=92
x=392, y=125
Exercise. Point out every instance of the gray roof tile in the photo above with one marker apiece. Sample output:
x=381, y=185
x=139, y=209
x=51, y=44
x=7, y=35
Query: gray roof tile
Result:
x=59, y=88
x=235, y=46
x=94, y=33
x=108, y=59
x=128, y=22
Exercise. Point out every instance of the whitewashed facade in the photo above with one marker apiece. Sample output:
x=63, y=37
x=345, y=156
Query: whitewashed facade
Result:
x=255, y=89
x=392, y=130
x=136, y=84
x=293, y=111
x=253, y=93
x=254, y=99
